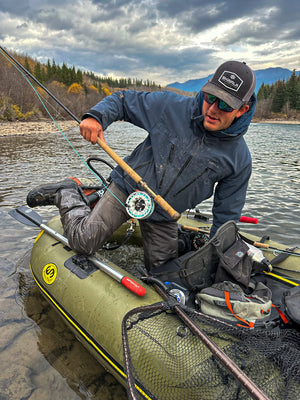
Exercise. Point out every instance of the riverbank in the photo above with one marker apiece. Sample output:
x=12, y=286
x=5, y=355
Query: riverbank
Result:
x=45, y=126
x=276, y=121
x=24, y=128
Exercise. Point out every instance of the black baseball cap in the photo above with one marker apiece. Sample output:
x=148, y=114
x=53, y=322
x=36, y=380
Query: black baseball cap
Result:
x=233, y=82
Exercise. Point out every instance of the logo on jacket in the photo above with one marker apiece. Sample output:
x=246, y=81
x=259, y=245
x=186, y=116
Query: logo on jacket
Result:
x=231, y=80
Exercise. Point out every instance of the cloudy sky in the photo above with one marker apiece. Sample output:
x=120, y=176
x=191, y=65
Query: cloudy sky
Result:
x=160, y=40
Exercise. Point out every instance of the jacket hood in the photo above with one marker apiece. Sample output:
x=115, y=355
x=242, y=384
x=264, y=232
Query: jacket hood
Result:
x=239, y=125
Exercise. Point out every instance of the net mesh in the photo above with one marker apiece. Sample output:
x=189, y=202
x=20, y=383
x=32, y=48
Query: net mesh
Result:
x=168, y=361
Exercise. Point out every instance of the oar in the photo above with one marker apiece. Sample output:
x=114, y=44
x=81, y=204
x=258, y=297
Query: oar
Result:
x=198, y=215
x=267, y=247
x=248, y=220
x=29, y=217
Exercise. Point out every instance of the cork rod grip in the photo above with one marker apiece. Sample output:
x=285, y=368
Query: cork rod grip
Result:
x=166, y=206
x=262, y=245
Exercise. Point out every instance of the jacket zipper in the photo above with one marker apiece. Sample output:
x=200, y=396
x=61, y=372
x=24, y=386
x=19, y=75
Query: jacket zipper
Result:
x=182, y=169
x=166, y=166
x=191, y=182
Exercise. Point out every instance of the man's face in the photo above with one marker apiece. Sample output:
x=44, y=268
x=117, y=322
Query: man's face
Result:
x=217, y=120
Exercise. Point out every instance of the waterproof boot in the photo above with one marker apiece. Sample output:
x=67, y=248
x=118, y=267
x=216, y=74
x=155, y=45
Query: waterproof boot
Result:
x=45, y=195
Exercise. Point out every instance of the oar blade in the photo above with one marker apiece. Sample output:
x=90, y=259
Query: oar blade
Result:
x=26, y=216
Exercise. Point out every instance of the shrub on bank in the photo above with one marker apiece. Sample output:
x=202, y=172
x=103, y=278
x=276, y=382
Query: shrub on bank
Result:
x=11, y=112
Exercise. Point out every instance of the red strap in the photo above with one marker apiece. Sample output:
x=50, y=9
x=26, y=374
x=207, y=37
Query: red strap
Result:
x=283, y=317
x=248, y=324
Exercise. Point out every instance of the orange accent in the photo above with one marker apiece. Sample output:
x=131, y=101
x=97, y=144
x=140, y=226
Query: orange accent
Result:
x=88, y=191
x=85, y=191
x=248, y=324
x=75, y=179
x=283, y=317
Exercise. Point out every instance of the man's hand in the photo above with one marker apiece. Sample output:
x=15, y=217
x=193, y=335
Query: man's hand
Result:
x=90, y=129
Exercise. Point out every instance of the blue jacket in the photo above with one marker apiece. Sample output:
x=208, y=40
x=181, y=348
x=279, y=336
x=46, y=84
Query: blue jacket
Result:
x=179, y=159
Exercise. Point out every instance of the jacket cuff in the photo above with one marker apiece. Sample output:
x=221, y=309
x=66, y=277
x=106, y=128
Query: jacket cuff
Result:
x=94, y=114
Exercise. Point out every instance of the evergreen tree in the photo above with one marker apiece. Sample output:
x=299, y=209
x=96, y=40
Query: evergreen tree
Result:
x=53, y=69
x=44, y=77
x=261, y=92
x=58, y=73
x=65, y=75
x=279, y=97
x=72, y=75
x=79, y=77
x=264, y=92
x=49, y=70
x=38, y=72
x=292, y=92
x=298, y=93
x=26, y=65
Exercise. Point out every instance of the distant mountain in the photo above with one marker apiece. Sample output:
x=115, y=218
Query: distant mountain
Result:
x=266, y=76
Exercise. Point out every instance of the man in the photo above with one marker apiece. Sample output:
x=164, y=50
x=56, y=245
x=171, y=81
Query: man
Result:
x=194, y=148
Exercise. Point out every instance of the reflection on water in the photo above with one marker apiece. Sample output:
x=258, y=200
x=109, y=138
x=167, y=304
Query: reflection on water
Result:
x=274, y=190
x=39, y=356
x=65, y=353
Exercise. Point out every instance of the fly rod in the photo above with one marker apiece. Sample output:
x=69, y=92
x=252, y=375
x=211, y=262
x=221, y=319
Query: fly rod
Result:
x=39, y=83
x=157, y=198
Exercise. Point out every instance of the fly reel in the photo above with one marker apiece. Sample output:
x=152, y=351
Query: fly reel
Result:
x=139, y=205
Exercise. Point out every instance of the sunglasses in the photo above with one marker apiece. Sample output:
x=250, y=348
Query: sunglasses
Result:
x=211, y=99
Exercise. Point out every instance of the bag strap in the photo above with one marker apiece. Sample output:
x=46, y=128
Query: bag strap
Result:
x=217, y=245
x=282, y=316
x=247, y=323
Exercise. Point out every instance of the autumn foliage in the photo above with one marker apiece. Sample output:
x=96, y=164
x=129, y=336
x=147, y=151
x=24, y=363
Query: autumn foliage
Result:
x=78, y=91
x=76, y=88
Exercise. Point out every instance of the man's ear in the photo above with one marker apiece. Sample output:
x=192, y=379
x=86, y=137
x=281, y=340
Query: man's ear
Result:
x=242, y=111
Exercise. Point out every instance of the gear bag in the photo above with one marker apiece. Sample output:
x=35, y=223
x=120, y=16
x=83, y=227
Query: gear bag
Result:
x=234, y=264
x=291, y=300
x=227, y=300
x=224, y=257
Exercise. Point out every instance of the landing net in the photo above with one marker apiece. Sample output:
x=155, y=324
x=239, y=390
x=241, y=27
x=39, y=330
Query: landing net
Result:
x=167, y=361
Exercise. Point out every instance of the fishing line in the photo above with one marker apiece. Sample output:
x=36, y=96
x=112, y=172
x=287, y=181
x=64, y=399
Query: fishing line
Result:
x=54, y=121
x=54, y=109
x=138, y=207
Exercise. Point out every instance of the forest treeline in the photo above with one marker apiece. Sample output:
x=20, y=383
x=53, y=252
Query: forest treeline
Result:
x=76, y=89
x=280, y=100
x=80, y=90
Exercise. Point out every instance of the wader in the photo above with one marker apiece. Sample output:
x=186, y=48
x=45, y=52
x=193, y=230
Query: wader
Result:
x=88, y=230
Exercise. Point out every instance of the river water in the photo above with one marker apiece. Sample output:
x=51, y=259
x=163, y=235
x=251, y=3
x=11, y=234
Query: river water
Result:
x=39, y=356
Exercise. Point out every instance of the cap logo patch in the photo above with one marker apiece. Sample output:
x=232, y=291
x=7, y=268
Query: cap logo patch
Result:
x=231, y=80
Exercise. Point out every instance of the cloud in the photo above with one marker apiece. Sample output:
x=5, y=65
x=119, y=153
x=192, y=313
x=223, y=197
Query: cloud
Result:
x=151, y=39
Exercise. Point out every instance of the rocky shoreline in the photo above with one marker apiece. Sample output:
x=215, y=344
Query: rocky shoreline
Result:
x=276, y=121
x=24, y=128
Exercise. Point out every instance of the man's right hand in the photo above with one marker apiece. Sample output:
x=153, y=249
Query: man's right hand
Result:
x=91, y=129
